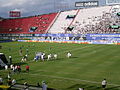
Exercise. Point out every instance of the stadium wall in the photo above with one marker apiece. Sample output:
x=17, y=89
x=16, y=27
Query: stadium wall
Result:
x=78, y=38
x=3, y=41
x=74, y=42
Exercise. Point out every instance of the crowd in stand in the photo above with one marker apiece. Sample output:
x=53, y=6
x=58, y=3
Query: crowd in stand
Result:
x=97, y=24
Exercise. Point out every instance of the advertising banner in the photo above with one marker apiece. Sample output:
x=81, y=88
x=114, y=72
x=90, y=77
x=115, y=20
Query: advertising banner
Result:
x=87, y=4
x=14, y=14
x=115, y=37
x=109, y=2
x=58, y=35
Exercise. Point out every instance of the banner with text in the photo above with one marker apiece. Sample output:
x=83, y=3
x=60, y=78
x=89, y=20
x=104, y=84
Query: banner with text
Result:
x=111, y=37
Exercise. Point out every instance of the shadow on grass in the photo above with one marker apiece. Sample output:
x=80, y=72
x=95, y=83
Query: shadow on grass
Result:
x=91, y=87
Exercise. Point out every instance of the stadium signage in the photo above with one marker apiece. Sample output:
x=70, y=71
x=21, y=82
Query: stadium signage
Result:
x=57, y=35
x=14, y=14
x=110, y=2
x=87, y=4
x=103, y=36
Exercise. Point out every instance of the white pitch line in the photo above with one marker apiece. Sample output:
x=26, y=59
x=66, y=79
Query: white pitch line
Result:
x=74, y=79
x=77, y=49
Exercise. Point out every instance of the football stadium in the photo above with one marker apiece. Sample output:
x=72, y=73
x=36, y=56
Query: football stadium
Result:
x=64, y=49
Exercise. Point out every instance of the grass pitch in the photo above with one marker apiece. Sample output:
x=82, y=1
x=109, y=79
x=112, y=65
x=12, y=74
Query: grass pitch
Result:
x=87, y=67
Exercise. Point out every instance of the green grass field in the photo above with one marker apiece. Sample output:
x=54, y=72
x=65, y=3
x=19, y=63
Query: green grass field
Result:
x=87, y=67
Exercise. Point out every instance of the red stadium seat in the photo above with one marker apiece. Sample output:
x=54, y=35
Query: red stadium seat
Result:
x=23, y=25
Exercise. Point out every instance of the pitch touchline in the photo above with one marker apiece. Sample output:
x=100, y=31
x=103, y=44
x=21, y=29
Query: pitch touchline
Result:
x=75, y=79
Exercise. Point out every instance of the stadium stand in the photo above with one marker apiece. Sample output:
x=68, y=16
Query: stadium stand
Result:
x=30, y=25
x=95, y=20
x=63, y=21
x=98, y=20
